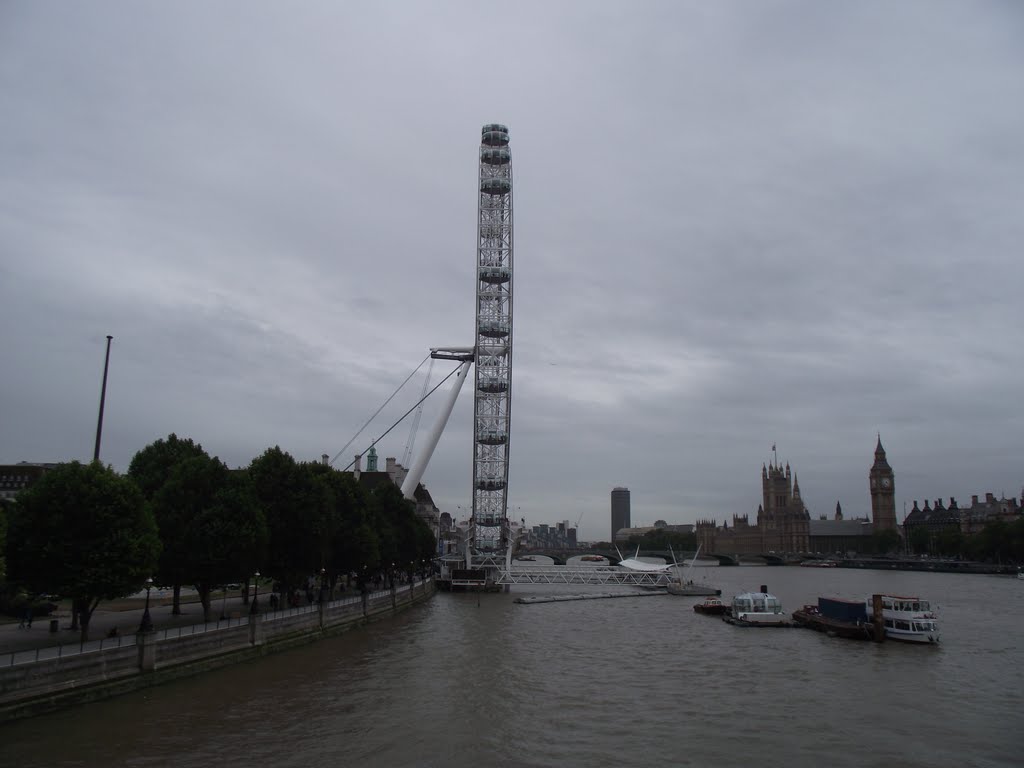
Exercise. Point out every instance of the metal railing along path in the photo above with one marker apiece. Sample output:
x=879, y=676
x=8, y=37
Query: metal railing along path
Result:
x=33, y=655
x=198, y=629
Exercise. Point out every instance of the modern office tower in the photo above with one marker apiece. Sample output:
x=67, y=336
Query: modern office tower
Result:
x=620, y=510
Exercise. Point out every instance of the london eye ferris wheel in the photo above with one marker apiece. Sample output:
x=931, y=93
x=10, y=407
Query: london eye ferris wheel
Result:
x=489, y=539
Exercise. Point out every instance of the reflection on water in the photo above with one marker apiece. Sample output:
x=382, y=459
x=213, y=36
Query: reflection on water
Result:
x=466, y=680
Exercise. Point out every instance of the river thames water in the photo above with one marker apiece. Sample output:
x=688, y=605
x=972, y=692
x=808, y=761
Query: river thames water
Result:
x=468, y=680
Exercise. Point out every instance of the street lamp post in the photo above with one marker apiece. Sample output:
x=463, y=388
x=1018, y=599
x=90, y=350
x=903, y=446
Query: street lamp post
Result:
x=147, y=621
x=224, y=604
x=254, y=608
x=323, y=584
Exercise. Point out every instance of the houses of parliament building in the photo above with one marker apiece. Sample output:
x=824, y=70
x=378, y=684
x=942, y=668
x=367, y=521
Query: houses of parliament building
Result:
x=784, y=524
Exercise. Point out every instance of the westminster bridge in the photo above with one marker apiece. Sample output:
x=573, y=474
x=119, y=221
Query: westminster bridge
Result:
x=561, y=555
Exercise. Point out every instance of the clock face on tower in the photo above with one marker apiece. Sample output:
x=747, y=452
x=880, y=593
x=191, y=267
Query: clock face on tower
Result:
x=885, y=482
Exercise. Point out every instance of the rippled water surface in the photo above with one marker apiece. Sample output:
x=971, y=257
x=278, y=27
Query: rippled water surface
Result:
x=469, y=680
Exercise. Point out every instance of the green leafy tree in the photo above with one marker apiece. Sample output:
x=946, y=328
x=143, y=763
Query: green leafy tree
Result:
x=151, y=466
x=287, y=495
x=949, y=542
x=3, y=541
x=227, y=538
x=659, y=538
x=188, y=491
x=83, y=532
x=1016, y=539
x=400, y=532
x=150, y=469
x=999, y=541
x=885, y=542
x=920, y=540
x=355, y=547
x=322, y=502
x=427, y=543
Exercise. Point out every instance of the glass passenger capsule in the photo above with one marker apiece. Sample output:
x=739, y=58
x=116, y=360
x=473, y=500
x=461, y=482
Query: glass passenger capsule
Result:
x=492, y=385
x=495, y=329
x=496, y=186
x=495, y=139
x=495, y=156
x=492, y=437
x=495, y=274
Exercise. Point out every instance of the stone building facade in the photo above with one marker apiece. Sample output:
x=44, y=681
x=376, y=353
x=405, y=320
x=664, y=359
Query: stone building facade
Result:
x=883, y=492
x=783, y=523
x=15, y=478
x=840, y=535
x=932, y=519
x=975, y=517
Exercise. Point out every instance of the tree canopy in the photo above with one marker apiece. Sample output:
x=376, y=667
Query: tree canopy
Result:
x=151, y=466
x=181, y=516
x=660, y=538
x=84, y=532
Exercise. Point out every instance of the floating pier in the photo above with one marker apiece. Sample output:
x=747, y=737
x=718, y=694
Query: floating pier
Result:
x=602, y=575
x=570, y=598
x=781, y=623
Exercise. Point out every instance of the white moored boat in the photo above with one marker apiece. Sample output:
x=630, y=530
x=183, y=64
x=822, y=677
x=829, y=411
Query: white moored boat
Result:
x=684, y=584
x=758, y=609
x=908, y=619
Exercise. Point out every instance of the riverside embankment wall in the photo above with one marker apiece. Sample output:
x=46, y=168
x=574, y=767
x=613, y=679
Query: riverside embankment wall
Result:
x=33, y=682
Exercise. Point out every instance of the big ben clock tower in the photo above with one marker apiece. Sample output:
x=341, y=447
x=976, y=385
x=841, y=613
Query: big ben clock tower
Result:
x=883, y=492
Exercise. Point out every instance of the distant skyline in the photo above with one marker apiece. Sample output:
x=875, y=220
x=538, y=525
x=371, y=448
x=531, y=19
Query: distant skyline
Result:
x=737, y=224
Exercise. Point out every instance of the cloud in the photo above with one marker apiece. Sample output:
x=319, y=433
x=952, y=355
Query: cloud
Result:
x=735, y=225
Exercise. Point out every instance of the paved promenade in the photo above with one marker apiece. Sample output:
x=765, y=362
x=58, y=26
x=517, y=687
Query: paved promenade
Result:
x=104, y=618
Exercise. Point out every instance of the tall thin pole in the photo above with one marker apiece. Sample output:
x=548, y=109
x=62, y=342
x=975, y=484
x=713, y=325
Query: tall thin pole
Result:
x=103, y=399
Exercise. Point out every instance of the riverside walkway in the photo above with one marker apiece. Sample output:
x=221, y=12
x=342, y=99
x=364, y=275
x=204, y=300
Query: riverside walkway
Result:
x=41, y=671
x=124, y=616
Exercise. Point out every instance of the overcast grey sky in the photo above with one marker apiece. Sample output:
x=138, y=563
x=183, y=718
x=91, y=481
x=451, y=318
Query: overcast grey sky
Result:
x=736, y=224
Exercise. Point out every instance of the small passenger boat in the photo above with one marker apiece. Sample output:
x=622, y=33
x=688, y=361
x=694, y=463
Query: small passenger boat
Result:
x=684, y=585
x=690, y=589
x=819, y=564
x=908, y=619
x=593, y=559
x=757, y=609
x=712, y=606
